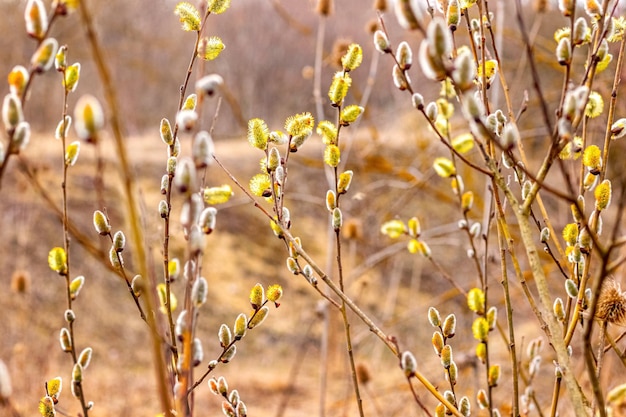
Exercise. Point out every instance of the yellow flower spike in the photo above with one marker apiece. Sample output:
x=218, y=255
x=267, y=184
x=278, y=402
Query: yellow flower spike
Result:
x=328, y=132
x=592, y=159
x=210, y=48
x=619, y=25
x=166, y=132
x=71, y=153
x=257, y=296
x=60, y=60
x=240, y=327
x=595, y=105
x=218, y=6
x=72, y=75
x=413, y=246
x=393, y=228
x=404, y=56
x=413, y=227
x=562, y=33
x=494, y=375
x=17, y=79
x=481, y=352
x=480, y=329
x=162, y=292
x=261, y=185
x=258, y=318
x=466, y=4
x=349, y=114
x=444, y=167
x=423, y=249
x=344, y=181
x=45, y=55
x=217, y=195
x=353, y=58
x=76, y=285
x=570, y=234
x=276, y=228
x=590, y=181
x=298, y=124
x=89, y=118
x=490, y=69
x=437, y=342
x=476, y=301
x=57, y=260
x=258, y=133
x=46, y=407
x=604, y=63
x=190, y=102
x=332, y=155
x=602, y=193
x=54, y=387
x=36, y=19
x=446, y=109
x=12, y=113
x=339, y=88
x=453, y=15
x=189, y=16
x=274, y=293
x=467, y=201
x=593, y=9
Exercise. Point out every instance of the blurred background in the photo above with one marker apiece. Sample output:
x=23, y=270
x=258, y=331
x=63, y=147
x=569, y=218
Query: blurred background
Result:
x=267, y=68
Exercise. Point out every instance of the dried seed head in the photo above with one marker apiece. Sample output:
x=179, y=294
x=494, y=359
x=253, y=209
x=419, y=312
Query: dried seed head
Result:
x=324, y=7
x=611, y=303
